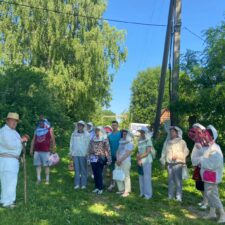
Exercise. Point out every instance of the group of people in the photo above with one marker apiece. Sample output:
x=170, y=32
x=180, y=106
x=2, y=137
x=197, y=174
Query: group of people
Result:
x=101, y=146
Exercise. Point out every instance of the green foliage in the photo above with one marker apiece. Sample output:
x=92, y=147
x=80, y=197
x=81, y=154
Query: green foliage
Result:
x=144, y=96
x=100, y=117
x=126, y=120
x=202, y=82
x=73, y=54
x=26, y=91
x=107, y=117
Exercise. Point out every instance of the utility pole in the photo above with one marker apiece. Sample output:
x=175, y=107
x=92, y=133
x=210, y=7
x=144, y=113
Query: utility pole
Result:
x=176, y=61
x=164, y=68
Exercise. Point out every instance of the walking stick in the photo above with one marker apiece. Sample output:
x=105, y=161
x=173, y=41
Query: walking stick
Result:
x=25, y=172
x=24, y=140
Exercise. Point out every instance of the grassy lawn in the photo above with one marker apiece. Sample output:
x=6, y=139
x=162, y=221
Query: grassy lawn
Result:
x=59, y=203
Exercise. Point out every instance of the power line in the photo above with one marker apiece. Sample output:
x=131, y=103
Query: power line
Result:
x=96, y=18
x=196, y=35
x=84, y=16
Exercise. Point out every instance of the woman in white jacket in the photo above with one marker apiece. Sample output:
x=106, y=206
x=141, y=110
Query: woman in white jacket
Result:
x=195, y=134
x=174, y=154
x=212, y=171
x=79, y=143
x=123, y=156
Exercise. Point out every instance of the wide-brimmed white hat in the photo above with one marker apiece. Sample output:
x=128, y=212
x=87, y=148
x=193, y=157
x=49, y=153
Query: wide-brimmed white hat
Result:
x=90, y=124
x=12, y=115
x=214, y=131
x=144, y=129
x=199, y=126
x=81, y=122
x=179, y=131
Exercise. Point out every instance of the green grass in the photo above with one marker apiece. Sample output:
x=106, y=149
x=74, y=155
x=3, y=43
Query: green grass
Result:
x=59, y=203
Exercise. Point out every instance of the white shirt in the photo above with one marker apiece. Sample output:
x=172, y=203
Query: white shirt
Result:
x=79, y=143
x=212, y=159
x=174, y=148
x=197, y=153
x=10, y=141
x=123, y=148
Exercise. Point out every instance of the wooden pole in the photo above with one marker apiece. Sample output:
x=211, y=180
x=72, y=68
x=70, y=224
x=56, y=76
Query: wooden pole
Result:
x=176, y=61
x=164, y=68
x=25, y=173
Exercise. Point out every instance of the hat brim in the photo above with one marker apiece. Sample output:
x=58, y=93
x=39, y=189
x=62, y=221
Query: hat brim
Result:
x=80, y=123
x=18, y=120
x=141, y=131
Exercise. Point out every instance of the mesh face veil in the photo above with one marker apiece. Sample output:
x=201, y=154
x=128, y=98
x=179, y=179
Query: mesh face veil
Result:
x=200, y=136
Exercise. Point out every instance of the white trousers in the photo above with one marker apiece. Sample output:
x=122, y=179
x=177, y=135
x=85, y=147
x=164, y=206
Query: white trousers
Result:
x=145, y=181
x=126, y=184
x=9, y=168
x=212, y=194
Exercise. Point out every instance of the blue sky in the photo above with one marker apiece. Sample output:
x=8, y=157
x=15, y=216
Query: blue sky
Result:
x=145, y=44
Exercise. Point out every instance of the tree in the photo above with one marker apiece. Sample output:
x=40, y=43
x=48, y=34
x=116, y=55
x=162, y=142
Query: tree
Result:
x=73, y=48
x=202, y=83
x=25, y=90
x=107, y=117
x=144, y=96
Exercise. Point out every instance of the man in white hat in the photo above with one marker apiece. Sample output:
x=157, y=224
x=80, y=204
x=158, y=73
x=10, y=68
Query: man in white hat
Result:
x=10, y=150
x=79, y=144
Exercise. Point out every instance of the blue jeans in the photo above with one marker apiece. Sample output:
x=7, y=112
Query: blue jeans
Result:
x=80, y=167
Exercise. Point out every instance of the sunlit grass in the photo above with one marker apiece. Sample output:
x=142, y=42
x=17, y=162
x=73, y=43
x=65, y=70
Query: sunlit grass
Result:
x=60, y=204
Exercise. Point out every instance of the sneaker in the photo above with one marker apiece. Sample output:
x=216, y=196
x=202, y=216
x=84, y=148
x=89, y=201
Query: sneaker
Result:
x=100, y=192
x=147, y=198
x=204, y=206
x=178, y=198
x=200, y=204
x=47, y=182
x=95, y=190
x=210, y=216
x=9, y=206
x=83, y=187
x=119, y=192
x=221, y=219
x=125, y=194
x=76, y=187
x=170, y=197
x=111, y=186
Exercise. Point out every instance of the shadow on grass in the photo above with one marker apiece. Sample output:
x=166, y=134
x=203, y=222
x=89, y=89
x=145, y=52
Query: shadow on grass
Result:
x=59, y=203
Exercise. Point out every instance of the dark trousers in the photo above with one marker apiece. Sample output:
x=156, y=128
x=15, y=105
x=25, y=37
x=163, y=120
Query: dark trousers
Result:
x=97, y=169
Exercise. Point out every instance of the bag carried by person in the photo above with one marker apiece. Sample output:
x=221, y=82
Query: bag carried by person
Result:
x=53, y=159
x=185, y=173
x=102, y=160
x=118, y=174
x=71, y=166
x=140, y=170
x=209, y=176
x=196, y=174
